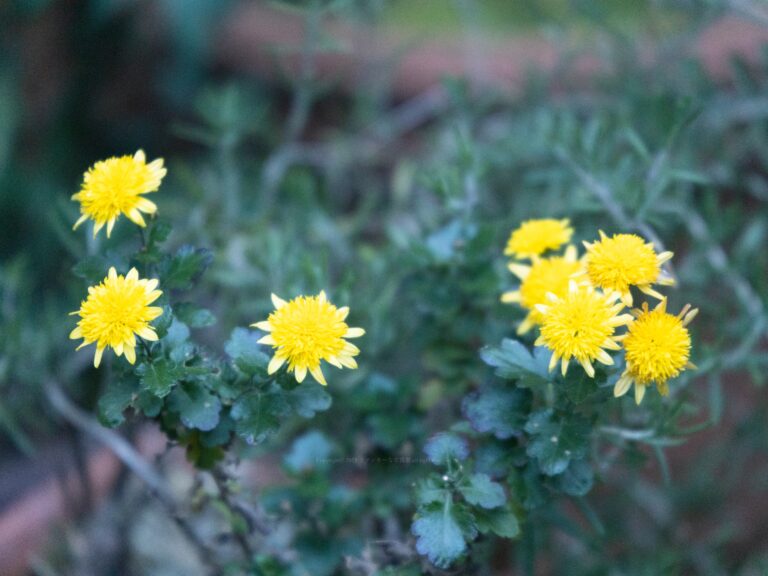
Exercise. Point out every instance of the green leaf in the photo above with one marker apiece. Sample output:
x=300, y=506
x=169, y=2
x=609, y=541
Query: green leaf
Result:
x=555, y=441
x=197, y=407
x=443, y=447
x=499, y=409
x=500, y=521
x=309, y=452
x=92, y=269
x=577, y=480
x=158, y=233
x=480, y=490
x=193, y=315
x=159, y=376
x=246, y=352
x=513, y=361
x=438, y=535
x=579, y=386
x=258, y=415
x=116, y=398
x=309, y=398
x=149, y=404
x=431, y=490
x=181, y=270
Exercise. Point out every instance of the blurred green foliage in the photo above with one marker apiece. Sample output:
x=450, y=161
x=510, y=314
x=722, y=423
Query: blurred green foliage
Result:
x=438, y=450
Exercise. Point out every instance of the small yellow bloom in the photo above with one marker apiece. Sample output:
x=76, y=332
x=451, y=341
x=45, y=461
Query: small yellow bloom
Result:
x=542, y=276
x=115, y=312
x=534, y=237
x=657, y=348
x=580, y=325
x=624, y=260
x=305, y=331
x=114, y=186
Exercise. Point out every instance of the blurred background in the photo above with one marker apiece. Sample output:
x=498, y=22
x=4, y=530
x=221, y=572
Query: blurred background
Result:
x=312, y=142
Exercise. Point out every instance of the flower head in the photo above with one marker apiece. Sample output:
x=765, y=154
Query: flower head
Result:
x=580, y=325
x=305, y=331
x=534, y=237
x=114, y=186
x=115, y=312
x=657, y=348
x=542, y=276
x=624, y=260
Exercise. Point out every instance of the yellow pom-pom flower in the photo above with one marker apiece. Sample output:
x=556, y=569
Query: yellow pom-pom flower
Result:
x=657, y=347
x=115, y=312
x=542, y=276
x=624, y=260
x=581, y=325
x=305, y=331
x=115, y=186
x=534, y=237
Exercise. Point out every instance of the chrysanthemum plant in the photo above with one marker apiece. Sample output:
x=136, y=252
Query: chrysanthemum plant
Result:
x=136, y=317
x=542, y=411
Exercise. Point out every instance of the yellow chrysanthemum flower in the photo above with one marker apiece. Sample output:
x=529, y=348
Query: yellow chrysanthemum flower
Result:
x=305, y=331
x=625, y=260
x=534, y=237
x=114, y=186
x=657, y=347
x=580, y=325
x=115, y=312
x=542, y=276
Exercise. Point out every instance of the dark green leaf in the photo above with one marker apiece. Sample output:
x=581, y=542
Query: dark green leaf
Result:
x=197, y=407
x=500, y=521
x=438, y=535
x=556, y=440
x=159, y=376
x=309, y=398
x=480, y=490
x=243, y=348
x=92, y=269
x=149, y=404
x=181, y=270
x=193, y=315
x=117, y=397
x=258, y=415
x=443, y=447
x=513, y=361
x=499, y=409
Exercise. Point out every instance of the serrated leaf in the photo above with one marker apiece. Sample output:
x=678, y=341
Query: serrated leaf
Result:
x=258, y=415
x=446, y=446
x=309, y=452
x=500, y=521
x=159, y=376
x=499, y=409
x=309, y=398
x=116, y=398
x=179, y=271
x=480, y=490
x=197, y=407
x=439, y=536
x=193, y=315
x=514, y=361
x=556, y=440
x=244, y=349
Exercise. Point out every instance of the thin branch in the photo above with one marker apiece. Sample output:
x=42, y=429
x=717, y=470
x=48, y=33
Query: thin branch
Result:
x=134, y=461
